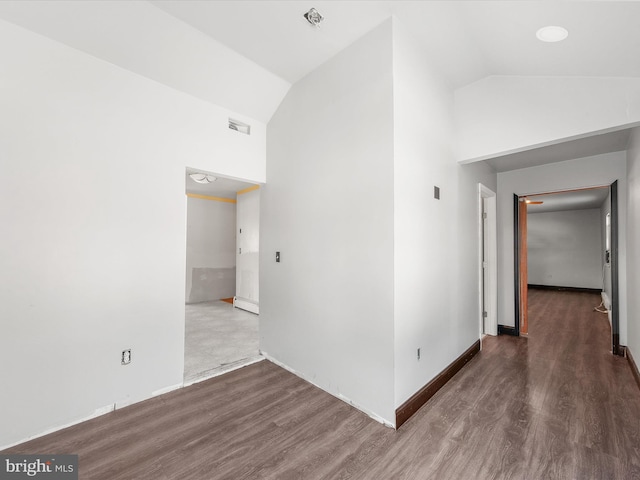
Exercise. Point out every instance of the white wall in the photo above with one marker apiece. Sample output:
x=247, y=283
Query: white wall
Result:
x=326, y=311
x=505, y=114
x=93, y=213
x=633, y=242
x=583, y=172
x=436, y=248
x=565, y=248
x=248, y=262
x=211, y=250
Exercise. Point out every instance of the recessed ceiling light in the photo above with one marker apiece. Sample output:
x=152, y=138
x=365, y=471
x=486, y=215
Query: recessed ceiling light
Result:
x=202, y=178
x=552, y=33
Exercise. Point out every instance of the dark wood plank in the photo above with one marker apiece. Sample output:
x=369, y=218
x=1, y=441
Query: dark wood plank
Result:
x=554, y=405
x=561, y=288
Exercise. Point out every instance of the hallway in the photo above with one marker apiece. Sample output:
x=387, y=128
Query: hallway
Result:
x=557, y=405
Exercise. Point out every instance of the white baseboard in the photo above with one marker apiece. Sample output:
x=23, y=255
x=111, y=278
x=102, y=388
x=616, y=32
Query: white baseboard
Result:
x=216, y=372
x=339, y=396
x=248, y=305
x=605, y=300
x=168, y=389
x=97, y=413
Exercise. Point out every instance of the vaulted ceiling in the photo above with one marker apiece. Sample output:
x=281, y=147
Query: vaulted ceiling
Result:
x=468, y=40
x=193, y=45
x=245, y=55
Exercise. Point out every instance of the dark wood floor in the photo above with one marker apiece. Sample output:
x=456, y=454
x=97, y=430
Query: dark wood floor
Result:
x=557, y=405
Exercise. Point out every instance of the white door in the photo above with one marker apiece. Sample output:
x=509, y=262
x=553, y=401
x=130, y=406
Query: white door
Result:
x=248, y=250
x=488, y=254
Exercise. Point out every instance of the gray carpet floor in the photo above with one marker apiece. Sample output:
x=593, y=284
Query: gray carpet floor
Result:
x=218, y=338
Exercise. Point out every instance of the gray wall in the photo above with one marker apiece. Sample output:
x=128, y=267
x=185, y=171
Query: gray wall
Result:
x=326, y=310
x=211, y=248
x=565, y=248
x=93, y=244
x=362, y=265
x=633, y=254
x=436, y=242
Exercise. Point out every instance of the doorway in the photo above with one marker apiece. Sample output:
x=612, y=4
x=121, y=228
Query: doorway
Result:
x=572, y=269
x=219, y=337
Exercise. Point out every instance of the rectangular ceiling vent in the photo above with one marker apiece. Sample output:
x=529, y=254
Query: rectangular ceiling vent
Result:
x=239, y=126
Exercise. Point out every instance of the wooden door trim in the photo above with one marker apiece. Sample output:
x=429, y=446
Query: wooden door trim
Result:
x=520, y=265
x=524, y=273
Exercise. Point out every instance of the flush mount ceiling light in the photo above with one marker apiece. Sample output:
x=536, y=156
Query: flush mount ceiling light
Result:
x=202, y=178
x=552, y=33
x=314, y=17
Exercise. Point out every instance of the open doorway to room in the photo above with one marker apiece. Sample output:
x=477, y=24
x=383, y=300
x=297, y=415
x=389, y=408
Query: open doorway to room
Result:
x=566, y=254
x=222, y=248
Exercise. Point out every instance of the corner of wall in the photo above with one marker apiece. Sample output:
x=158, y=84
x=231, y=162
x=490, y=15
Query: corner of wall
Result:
x=633, y=239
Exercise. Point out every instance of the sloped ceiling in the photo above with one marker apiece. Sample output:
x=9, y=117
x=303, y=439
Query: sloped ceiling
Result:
x=467, y=40
x=139, y=37
x=244, y=55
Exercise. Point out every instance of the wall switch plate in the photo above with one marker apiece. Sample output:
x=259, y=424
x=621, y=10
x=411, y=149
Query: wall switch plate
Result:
x=436, y=193
x=126, y=357
x=278, y=257
x=418, y=354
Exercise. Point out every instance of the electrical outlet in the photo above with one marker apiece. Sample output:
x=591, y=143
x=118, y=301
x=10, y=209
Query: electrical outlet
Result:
x=418, y=354
x=126, y=357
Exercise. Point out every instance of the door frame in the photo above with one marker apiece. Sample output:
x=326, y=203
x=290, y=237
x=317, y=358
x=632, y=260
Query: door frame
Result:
x=616, y=348
x=487, y=291
x=516, y=263
x=249, y=185
x=518, y=247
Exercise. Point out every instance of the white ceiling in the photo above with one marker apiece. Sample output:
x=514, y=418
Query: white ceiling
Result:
x=467, y=40
x=244, y=55
x=574, y=200
x=193, y=45
x=145, y=40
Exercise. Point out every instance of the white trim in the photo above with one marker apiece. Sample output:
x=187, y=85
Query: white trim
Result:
x=248, y=305
x=489, y=325
x=216, y=372
x=549, y=143
x=168, y=389
x=371, y=414
x=97, y=413
x=605, y=300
